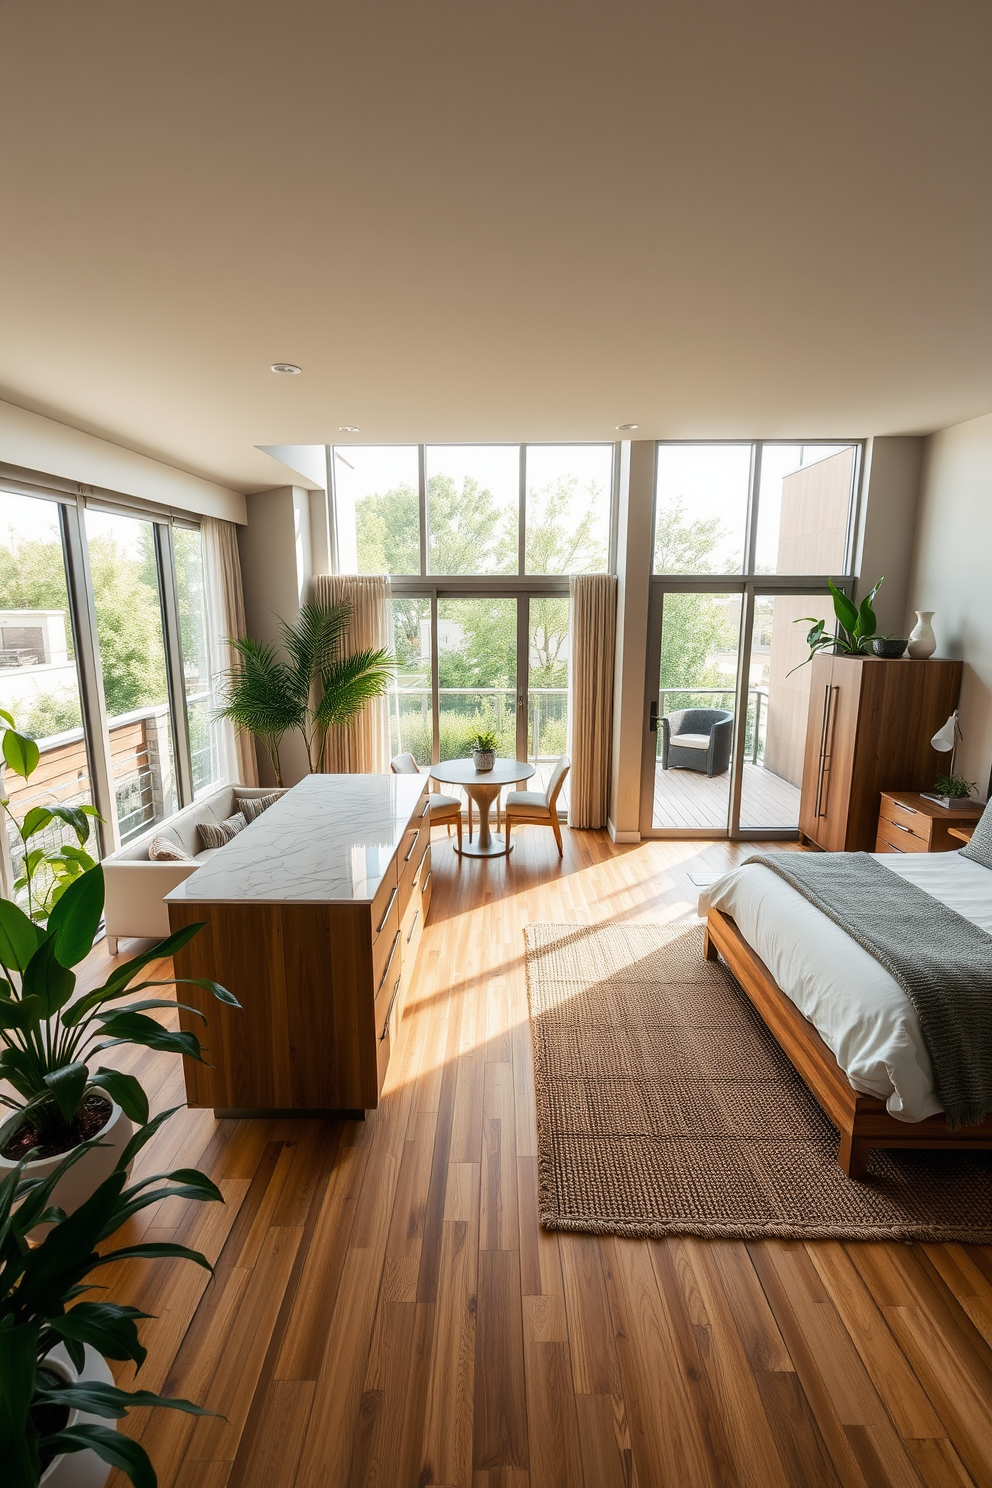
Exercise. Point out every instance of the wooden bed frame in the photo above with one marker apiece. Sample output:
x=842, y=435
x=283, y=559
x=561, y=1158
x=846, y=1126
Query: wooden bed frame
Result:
x=862, y=1120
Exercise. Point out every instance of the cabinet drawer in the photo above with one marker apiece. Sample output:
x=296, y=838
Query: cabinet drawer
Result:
x=900, y=837
x=380, y=901
x=415, y=844
x=912, y=821
x=411, y=933
x=388, y=981
x=881, y=846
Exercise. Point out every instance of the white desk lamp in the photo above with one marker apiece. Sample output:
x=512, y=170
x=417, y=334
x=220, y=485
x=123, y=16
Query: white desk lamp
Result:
x=946, y=740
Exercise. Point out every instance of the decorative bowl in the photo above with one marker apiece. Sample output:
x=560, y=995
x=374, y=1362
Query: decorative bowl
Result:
x=887, y=647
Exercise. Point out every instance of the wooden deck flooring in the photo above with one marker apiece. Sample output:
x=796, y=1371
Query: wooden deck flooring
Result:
x=687, y=798
x=386, y=1309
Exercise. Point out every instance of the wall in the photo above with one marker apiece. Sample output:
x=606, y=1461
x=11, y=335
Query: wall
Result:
x=40, y=444
x=951, y=575
x=634, y=563
x=276, y=561
x=887, y=527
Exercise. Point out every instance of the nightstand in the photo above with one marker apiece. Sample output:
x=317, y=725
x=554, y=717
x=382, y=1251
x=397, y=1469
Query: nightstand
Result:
x=908, y=823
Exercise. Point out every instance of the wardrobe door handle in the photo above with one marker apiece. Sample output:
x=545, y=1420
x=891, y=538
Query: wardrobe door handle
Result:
x=824, y=756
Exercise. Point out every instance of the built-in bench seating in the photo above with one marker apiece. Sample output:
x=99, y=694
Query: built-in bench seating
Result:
x=136, y=885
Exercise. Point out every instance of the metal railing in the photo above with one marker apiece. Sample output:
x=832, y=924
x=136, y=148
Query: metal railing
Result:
x=412, y=728
x=754, y=739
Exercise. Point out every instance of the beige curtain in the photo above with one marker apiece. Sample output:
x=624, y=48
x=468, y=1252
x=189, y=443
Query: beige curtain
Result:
x=362, y=746
x=592, y=650
x=225, y=618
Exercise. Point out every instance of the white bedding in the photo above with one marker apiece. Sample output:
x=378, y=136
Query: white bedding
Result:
x=859, y=1011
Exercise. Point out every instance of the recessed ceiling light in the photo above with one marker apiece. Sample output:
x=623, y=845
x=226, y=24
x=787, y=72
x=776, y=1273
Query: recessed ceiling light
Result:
x=626, y=426
x=349, y=429
x=286, y=369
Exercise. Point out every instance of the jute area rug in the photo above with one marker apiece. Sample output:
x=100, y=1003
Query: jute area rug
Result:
x=664, y=1106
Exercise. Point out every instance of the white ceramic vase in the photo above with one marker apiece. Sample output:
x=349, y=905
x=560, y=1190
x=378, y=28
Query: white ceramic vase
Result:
x=922, y=641
x=85, y=1176
x=79, y=1469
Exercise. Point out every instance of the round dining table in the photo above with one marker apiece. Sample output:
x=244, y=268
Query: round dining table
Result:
x=483, y=786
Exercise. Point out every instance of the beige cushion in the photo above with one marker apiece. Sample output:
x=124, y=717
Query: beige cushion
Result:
x=215, y=834
x=443, y=804
x=251, y=807
x=691, y=741
x=165, y=849
x=531, y=801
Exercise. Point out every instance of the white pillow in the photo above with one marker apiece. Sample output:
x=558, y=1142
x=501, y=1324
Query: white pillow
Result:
x=168, y=850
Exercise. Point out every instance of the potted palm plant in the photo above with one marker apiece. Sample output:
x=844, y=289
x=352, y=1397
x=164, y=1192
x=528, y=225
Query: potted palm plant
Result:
x=50, y=1041
x=56, y=1393
x=309, y=689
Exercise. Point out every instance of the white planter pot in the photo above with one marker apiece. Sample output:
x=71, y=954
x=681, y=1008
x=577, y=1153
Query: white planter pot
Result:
x=79, y=1469
x=483, y=760
x=85, y=1176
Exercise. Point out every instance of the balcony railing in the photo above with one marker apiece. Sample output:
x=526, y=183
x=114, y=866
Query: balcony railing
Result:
x=467, y=710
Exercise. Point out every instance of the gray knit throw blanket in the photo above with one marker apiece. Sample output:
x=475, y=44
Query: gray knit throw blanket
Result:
x=942, y=962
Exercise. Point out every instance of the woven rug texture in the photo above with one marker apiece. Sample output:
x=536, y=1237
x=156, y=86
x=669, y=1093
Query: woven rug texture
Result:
x=664, y=1107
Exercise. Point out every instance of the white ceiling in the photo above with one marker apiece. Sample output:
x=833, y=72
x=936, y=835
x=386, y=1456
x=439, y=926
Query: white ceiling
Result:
x=493, y=219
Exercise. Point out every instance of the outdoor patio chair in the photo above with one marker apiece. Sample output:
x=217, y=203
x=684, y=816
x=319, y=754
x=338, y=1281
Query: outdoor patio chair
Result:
x=697, y=739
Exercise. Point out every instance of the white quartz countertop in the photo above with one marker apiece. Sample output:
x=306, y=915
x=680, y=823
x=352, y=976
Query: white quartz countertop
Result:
x=330, y=838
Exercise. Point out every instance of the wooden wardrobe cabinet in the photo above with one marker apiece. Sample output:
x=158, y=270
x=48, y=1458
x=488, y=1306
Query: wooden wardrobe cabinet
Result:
x=869, y=729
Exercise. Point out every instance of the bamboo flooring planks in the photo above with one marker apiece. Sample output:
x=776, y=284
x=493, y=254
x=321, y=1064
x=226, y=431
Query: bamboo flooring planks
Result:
x=386, y=1310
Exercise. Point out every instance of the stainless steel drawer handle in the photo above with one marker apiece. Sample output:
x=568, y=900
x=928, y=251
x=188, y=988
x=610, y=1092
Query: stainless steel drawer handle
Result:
x=392, y=953
x=911, y=809
x=899, y=826
x=892, y=847
x=427, y=807
x=416, y=917
x=413, y=844
x=389, y=1010
x=382, y=922
x=426, y=882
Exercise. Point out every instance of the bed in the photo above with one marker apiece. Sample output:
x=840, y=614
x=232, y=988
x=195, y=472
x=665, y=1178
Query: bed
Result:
x=846, y=1025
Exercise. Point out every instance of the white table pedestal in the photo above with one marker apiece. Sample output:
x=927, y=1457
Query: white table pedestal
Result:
x=487, y=844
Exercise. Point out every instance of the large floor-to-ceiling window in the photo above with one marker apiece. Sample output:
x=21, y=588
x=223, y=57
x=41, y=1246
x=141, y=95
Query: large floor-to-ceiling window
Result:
x=104, y=660
x=746, y=535
x=478, y=541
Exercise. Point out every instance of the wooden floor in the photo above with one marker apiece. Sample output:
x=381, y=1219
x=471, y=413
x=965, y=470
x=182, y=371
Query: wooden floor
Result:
x=688, y=798
x=386, y=1310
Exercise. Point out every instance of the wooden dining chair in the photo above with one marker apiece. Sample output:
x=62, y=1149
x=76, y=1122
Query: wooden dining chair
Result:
x=537, y=808
x=444, y=810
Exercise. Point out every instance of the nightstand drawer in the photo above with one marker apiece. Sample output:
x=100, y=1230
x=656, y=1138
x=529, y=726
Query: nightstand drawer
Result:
x=900, y=837
x=905, y=819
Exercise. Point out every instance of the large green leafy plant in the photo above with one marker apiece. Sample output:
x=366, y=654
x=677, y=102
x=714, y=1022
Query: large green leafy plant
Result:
x=51, y=1040
x=43, y=1305
x=311, y=688
x=46, y=872
x=856, y=625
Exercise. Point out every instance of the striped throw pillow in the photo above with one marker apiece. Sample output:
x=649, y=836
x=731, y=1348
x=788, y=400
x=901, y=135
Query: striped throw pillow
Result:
x=251, y=807
x=166, y=850
x=215, y=834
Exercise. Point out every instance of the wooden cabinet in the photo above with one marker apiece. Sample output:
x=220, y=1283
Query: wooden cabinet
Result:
x=321, y=980
x=869, y=729
x=908, y=823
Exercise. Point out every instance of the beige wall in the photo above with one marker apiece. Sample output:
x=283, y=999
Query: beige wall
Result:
x=634, y=564
x=889, y=506
x=50, y=448
x=275, y=568
x=952, y=575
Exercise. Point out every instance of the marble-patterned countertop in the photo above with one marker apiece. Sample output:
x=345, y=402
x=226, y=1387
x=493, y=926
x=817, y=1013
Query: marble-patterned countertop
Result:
x=330, y=838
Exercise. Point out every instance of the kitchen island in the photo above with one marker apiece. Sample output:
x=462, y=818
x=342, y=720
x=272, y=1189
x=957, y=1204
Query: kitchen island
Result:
x=312, y=917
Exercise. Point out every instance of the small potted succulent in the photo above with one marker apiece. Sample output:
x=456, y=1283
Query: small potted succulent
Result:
x=483, y=747
x=60, y=1095
x=58, y=1402
x=951, y=792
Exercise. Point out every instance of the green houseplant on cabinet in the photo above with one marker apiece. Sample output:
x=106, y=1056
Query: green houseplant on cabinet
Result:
x=58, y=1403
x=857, y=626
x=50, y=1040
x=312, y=688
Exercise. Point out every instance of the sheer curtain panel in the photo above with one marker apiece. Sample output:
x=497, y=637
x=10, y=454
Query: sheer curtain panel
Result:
x=226, y=615
x=592, y=649
x=362, y=746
